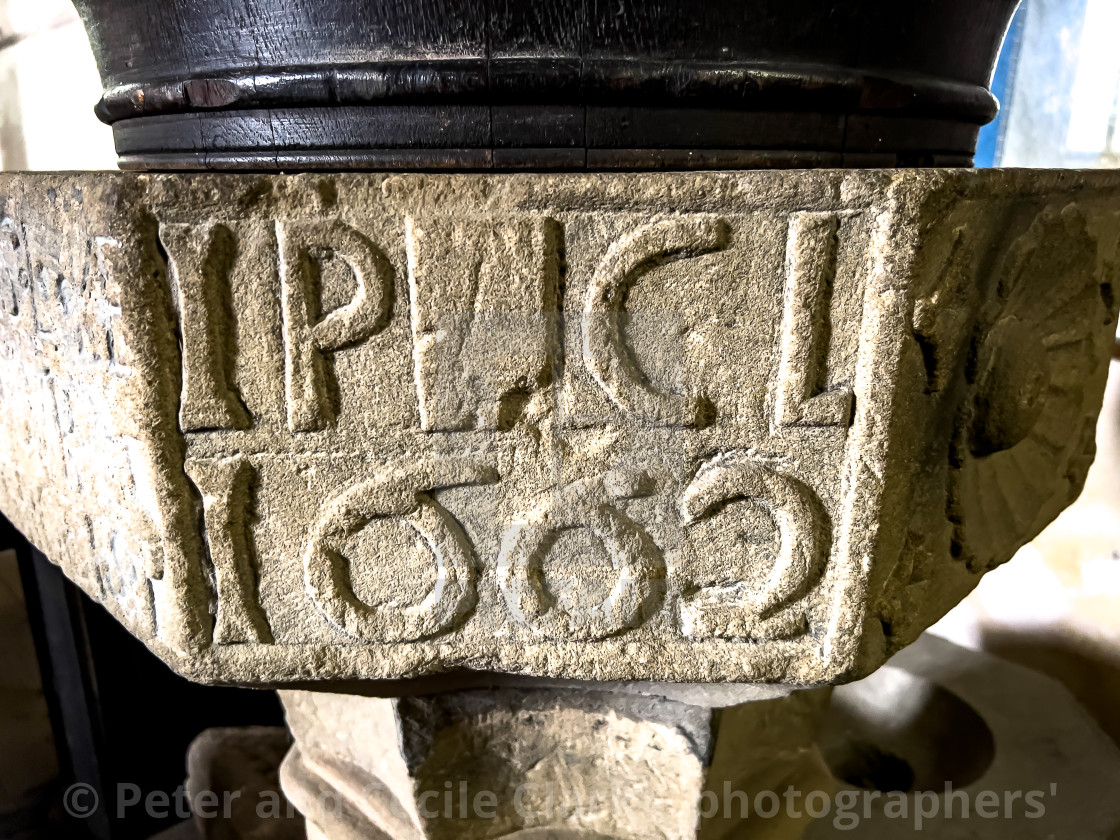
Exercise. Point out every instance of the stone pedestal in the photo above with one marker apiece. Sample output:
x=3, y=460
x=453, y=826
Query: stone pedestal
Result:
x=942, y=741
x=596, y=761
x=953, y=744
x=554, y=443
x=233, y=784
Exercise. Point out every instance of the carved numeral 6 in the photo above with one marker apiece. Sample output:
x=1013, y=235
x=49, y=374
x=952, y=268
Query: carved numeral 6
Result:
x=639, y=587
x=401, y=494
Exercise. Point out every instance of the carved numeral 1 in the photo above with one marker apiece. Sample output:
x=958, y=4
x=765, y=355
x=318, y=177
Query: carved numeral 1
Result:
x=604, y=351
x=225, y=488
x=739, y=610
x=810, y=272
x=309, y=334
x=484, y=317
x=199, y=262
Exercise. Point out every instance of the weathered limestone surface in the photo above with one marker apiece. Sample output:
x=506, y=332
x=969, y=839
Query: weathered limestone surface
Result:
x=697, y=427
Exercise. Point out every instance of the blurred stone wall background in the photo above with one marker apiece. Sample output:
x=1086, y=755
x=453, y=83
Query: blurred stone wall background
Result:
x=1064, y=76
x=48, y=87
x=28, y=763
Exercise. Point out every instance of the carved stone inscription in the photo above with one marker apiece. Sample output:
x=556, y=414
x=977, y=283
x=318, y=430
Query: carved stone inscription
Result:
x=309, y=334
x=483, y=295
x=605, y=352
x=806, y=324
x=517, y=425
x=402, y=492
x=225, y=486
x=485, y=319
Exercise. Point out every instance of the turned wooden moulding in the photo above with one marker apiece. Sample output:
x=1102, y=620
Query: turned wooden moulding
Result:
x=571, y=84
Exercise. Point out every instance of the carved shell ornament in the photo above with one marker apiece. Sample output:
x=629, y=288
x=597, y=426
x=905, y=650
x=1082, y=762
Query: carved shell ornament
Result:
x=1025, y=437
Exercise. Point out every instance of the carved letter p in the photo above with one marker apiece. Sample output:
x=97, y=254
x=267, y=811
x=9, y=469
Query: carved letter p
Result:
x=308, y=334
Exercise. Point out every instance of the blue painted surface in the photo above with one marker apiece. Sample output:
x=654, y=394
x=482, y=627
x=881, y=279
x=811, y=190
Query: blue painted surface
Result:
x=990, y=144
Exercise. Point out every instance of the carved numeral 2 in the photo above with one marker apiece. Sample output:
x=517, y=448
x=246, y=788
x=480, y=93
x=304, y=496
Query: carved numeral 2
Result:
x=738, y=610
